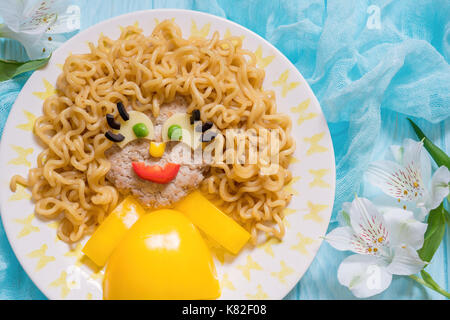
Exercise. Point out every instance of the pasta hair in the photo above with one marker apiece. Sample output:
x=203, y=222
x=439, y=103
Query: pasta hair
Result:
x=216, y=76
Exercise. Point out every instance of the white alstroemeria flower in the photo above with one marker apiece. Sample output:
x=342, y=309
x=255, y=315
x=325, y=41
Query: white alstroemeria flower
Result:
x=408, y=178
x=385, y=244
x=38, y=24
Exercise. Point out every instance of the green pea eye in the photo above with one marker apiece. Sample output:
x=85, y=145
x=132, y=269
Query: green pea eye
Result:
x=175, y=132
x=178, y=127
x=140, y=130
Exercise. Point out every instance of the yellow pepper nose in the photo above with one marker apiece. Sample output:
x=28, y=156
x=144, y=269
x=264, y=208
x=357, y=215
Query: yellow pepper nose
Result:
x=157, y=149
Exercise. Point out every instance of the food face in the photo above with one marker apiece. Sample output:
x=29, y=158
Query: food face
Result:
x=162, y=157
x=178, y=127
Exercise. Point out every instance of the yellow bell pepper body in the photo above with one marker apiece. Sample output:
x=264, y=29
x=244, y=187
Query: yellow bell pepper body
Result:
x=163, y=256
x=108, y=235
x=212, y=221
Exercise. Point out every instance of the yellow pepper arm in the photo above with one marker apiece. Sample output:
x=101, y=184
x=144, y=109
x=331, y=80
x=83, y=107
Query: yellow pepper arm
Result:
x=212, y=221
x=108, y=235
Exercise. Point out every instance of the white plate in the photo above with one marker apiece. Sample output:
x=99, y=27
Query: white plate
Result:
x=266, y=272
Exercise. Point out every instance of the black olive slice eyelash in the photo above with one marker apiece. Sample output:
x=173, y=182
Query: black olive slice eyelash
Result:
x=195, y=116
x=114, y=137
x=123, y=113
x=111, y=122
x=208, y=136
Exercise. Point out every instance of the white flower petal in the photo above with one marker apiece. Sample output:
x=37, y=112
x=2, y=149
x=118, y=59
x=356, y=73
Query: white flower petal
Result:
x=439, y=187
x=368, y=226
x=404, y=229
x=32, y=16
x=343, y=216
x=364, y=275
x=406, y=261
x=397, y=153
x=404, y=183
x=28, y=22
x=33, y=44
x=340, y=238
x=411, y=151
x=69, y=20
x=421, y=213
x=11, y=12
x=364, y=216
x=414, y=152
x=384, y=203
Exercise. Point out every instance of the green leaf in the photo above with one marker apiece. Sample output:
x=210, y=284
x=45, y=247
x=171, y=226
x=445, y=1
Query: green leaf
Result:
x=439, y=156
x=434, y=233
x=346, y=217
x=447, y=216
x=432, y=285
x=429, y=280
x=10, y=68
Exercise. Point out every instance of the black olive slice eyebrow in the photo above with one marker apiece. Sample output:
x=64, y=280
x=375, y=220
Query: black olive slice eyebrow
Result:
x=195, y=116
x=206, y=126
x=123, y=113
x=208, y=136
x=114, y=137
x=111, y=122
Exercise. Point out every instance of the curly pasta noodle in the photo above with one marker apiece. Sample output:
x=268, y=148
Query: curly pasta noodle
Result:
x=215, y=75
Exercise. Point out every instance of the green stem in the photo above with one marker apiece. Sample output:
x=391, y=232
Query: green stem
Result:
x=2, y=27
x=6, y=32
x=435, y=288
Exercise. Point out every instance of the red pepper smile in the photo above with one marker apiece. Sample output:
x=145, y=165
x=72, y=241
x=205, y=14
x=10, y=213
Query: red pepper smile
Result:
x=156, y=173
